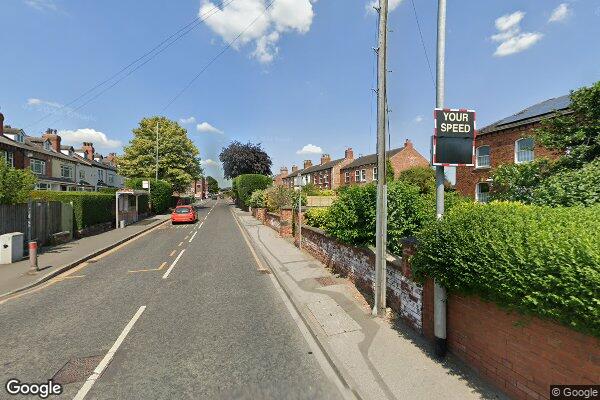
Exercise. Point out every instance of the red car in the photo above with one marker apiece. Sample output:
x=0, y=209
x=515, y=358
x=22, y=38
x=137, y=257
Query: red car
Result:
x=184, y=214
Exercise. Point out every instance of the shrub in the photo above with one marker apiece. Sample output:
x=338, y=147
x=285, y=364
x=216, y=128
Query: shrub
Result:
x=15, y=184
x=579, y=187
x=245, y=185
x=160, y=193
x=89, y=208
x=421, y=177
x=278, y=197
x=537, y=260
x=258, y=199
x=317, y=217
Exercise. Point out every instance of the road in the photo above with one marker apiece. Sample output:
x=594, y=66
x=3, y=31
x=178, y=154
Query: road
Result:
x=195, y=319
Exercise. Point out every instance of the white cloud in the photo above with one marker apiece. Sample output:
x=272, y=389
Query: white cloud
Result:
x=560, y=13
x=282, y=17
x=310, y=149
x=208, y=128
x=186, y=121
x=209, y=163
x=372, y=4
x=419, y=119
x=510, y=37
x=42, y=5
x=54, y=108
x=78, y=136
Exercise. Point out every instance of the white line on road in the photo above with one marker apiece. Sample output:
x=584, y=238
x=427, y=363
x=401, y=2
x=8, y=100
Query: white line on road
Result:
x=111, y=353
x=193, y=236
x=166, y=275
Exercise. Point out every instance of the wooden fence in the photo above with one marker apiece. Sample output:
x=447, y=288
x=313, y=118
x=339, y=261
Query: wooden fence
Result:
x=46, y=219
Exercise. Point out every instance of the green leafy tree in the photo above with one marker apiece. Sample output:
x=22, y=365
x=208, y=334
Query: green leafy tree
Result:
x=517, y=182
x=15, y=184
x=421, y=177
x=239, y=159
x=178, y=161
x=161, y=193
x=213, y=185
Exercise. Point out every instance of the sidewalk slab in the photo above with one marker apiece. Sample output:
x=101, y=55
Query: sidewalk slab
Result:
x=57, y=259
x=379, y=358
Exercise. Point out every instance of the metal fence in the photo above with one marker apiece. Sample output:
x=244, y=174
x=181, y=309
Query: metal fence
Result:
x=46, y=219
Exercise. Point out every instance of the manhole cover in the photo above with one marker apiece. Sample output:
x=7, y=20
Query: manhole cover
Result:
x=326, y=281
x=77, y=370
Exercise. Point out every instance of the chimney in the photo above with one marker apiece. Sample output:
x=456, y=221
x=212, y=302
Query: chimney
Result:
x=283, y=171
x=1, y=124
x=294, y=168
x=111, y=157
x=54, y=139
x=349, y=154
x=408, y=143
x=88, y=149
x=307, y=163
x=325, y=158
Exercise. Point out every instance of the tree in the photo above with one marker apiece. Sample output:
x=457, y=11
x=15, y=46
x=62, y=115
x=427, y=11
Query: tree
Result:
x=15, y=184
x=213, y=185
x=421, y=177
x=178, y=161
x=249, y=158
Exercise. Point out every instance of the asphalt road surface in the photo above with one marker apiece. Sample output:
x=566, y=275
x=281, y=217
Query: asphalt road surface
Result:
x=179, y=313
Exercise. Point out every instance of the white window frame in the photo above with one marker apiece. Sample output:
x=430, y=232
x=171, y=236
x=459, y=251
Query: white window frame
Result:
x=363, y=175
x=482, y=197
x=326, y=178
x=520, y=152
x=479, y=159
x=47, y=146
x=375, y=173
x=347, y=176
x=68, y=168
x=35, y=162
x=9, y=157
x=81, y=175
x=357, y=175
x=42, y=186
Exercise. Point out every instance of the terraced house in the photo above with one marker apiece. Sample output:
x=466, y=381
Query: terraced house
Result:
x=57, y=167
x=507, y=141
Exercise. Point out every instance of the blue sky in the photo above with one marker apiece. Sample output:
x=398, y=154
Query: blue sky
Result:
x=302, y=74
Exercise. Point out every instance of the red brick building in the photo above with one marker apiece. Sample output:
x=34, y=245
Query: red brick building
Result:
x=364, y=169
x=326, y=175
x=506, y=141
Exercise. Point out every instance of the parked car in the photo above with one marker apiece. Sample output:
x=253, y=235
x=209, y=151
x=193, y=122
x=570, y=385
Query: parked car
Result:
x=184, y=214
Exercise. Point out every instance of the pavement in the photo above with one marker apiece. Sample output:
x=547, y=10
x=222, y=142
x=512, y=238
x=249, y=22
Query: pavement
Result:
x=377, y=358
x=180, y=312
x=54, y=260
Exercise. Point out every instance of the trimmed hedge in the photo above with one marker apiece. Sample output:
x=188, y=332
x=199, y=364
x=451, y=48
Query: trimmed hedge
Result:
x=537, y=260
x=317, y=217
x=89, y=208
x=258, y=199
x=246, y=184
x=160, y=193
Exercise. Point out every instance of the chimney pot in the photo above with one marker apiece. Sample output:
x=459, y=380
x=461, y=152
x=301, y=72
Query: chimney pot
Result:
x=349, y=154
x=294, y=168
x=307, y=163
x=325, y=158
x=283, y=170
x=408, y=143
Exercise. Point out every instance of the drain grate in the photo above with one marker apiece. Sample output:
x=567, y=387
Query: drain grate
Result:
x=264, y=271
x=326, y=281
x=77, y=370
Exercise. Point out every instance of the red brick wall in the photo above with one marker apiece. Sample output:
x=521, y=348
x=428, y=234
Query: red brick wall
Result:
x=502, y=151
x=18, y=157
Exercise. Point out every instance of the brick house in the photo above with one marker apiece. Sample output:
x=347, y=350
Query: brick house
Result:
x=288, y=180
x=278, y=179
x=326, y=175
x=364, y=169
x=507, y=141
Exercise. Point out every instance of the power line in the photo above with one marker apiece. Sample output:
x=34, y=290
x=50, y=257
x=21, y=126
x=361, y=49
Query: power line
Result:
x=423, y=42
x=180, y=33
x=186, y=87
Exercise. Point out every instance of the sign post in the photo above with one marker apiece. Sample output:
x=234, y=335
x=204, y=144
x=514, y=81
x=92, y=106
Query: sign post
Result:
x=454, y=137
x=146, y=185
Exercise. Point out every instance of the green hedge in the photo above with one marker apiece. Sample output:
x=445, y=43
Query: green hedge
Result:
x=538, y=260
x=580, y=187
x=351, y=218
x=258, y=199
x=160, y=193
x=317, y=217
x=246, y=184
x=89, y=208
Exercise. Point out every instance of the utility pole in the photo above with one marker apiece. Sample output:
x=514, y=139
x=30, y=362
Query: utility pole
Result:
x=379, y=306
x=156, y=151
x=439, y=293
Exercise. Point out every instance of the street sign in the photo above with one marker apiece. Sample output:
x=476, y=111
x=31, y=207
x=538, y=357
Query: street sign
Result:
x=145, y=184
x=454, y=137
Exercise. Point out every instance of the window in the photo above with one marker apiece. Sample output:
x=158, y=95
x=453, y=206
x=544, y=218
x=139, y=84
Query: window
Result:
x=8, y=157
x=19, y=138
x=46, y=145
x=482, y=192
x=347, y=177
x=100, y=175
x=482, y=159
x=66, y=171
x=81, y=175
x=375, y=173
x=111, y=179
x=320, y=178
x=42, y=186
x=326, y=178
x=357, y=176
x=524, y=150
x=38, y=167
x=363, y=175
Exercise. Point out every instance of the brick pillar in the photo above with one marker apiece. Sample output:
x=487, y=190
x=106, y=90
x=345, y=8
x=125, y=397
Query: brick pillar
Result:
x=285, y=229
x=298, y=218
x=261, y=214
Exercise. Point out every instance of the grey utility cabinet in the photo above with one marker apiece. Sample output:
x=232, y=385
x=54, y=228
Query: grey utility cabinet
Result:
x=11, y=247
